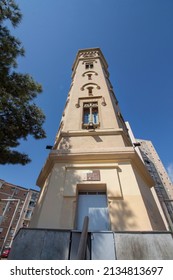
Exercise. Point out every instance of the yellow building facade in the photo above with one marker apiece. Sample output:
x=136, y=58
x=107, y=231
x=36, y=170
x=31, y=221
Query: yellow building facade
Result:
x=93, y=169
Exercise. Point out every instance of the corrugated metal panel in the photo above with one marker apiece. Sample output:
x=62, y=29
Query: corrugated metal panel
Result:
x=42, y=244
x=144, y=246
x=102, y=246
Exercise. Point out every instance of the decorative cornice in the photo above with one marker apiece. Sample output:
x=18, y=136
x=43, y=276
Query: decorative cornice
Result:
x=93, y=165
x=90, y=71
x=100, y=132
x=120, y=155
x=89, y=54
x=95, y=132
x=87, y=98
x=92, y=84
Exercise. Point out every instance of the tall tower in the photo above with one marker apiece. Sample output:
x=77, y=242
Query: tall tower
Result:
x=93, y=168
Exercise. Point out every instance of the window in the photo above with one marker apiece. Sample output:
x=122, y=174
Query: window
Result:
x=94, y=205
x=89, y=65
x=89, y=76
x=90, y=115
x=31, y=203
x=11, y=232
x=90, y=90
x=28, y=214
x=34, y=196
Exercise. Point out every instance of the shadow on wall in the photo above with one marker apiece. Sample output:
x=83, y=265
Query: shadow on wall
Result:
x=123, y=218
x=69, y=193
x=150, y=205
x=64, y=145
x=61, y=196
x=38, y=207
x=97, y=138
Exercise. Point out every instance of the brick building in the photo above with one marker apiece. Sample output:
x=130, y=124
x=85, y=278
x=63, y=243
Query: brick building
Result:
x=16, y=208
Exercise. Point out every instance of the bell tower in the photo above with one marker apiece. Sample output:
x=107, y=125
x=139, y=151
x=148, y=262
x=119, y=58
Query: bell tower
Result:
x=93, y=169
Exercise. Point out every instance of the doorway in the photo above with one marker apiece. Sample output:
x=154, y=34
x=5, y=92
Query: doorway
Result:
x=94, y=205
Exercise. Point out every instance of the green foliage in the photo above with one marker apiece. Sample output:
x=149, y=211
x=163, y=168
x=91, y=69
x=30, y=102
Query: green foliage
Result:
x=19, y=116
x=10, y=10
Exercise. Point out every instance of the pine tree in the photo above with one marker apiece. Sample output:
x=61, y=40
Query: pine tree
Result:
x=19, y=116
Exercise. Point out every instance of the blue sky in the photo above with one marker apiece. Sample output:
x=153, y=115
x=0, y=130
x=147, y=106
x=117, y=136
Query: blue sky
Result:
x=136, y=38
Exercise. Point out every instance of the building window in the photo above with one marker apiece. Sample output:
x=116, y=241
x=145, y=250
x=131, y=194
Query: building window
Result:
x=90, y=90
x=31, y=203
x=34, y=197
x=90, y=115
x=28, y=214
x=11, y=232
x=95, y=206
x=89, y=76
x=89, y=65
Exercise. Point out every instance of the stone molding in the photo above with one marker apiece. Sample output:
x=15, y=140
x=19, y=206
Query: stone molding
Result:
x=123, y=155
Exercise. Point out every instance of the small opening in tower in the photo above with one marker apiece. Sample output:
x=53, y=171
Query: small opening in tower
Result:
x=90, y=90
x=89, y=76
x=89, y=65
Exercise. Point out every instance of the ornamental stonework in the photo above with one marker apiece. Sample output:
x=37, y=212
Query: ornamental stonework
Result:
x=91, y=175
x=89, y=54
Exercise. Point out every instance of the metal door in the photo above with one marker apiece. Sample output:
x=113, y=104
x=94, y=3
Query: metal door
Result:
x=103, y=246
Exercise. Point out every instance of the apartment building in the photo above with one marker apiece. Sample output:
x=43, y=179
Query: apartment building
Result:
x=163, y=184
x=16, y=209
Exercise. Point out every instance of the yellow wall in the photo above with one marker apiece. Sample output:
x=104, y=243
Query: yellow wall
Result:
x=130, y=207
x=107, y=147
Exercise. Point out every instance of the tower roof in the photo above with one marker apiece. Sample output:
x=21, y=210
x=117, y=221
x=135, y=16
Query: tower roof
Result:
x=87, y=54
